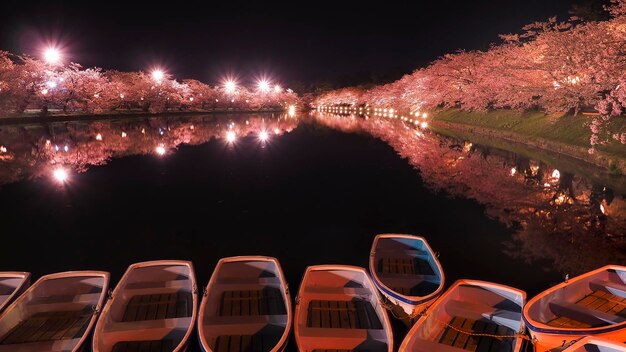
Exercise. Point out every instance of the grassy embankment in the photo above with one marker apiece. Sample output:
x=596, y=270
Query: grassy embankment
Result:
x=568, y=134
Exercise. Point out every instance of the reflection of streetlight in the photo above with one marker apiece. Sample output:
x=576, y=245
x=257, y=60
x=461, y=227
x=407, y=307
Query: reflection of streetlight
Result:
x=231, y=136
x=52, y=56
x=60, y=174
x=292, y=110
x=160, y=149
x=263, y=136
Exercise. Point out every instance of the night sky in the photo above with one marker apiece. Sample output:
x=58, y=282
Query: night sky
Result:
x=298, y=43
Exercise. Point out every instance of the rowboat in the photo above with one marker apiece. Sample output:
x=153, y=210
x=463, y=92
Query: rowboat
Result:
x=471, y=316
x=338, y=309
x=153, y=308
x=246, y=306
x=57, y=313
x=406, y=271
x=12, y=284
x=590, y=304
x=593, y=344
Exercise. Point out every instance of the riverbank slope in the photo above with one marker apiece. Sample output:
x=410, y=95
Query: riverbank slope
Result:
x=567, y=134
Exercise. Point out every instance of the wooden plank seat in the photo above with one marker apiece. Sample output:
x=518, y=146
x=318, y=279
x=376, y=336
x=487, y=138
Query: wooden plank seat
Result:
x=244, y=343
x=165, y=345
x=355, y=314
x=422, y=288
x=595, y=309
x=454, y=338
x=268, y=301
x=405, y=266
x=49, y=326
x=159, y=306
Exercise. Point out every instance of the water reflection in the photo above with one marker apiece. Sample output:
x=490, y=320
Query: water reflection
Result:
x=576, y=224
x=57, y=150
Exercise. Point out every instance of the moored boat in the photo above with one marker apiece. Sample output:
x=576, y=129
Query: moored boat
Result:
x=406, y=271
x=593, y=344
x=246, y=306
x=472, y=316
x=56, y=313
x=338, y=308
x=590, y=304
x=153, y=308
x=12, y=284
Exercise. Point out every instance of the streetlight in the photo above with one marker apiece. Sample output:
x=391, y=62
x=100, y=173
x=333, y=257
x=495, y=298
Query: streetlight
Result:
x=231, y=136
x=264, y=86
x=52, y=56
x=230, y=86
x=158, y=75
x=264, y=136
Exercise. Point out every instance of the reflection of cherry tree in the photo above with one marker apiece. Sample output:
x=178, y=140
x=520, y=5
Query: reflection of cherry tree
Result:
x=557, y=213
x=36, y=152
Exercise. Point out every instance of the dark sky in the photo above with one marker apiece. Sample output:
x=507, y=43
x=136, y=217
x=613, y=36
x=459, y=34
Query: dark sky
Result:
x=337, y=42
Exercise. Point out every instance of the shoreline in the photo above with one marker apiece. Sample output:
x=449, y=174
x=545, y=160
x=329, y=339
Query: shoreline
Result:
x=38, y=118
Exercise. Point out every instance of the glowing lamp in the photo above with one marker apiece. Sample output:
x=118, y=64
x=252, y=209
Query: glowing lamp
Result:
x=158, y=75
x=230, y=86
x=264, y=136
x=52, y=56
x=264, y=86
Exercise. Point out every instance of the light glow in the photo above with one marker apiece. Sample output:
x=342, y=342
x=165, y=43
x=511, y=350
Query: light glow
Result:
x=231, y=136
x=277, y=89
x=60, y=174
x=158, y=75
x=264, y=136
x=99, y=137
x=230, y=86
x=160, y=149
x=264, y=86
x=52, y=56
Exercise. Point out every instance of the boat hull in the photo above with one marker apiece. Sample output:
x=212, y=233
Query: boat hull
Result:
x=407, y=261
x=569, y=311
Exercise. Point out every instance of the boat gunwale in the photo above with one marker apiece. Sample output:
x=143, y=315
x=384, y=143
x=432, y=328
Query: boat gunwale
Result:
x=19, y=289
x=455, y=285
x=413, y=300
x=539, y=327
x=340, y=267
x=106, y=276
x=169, y=262
x=284, y=339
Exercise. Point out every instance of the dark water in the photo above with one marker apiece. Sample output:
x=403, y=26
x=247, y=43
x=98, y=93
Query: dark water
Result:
x=309, y=195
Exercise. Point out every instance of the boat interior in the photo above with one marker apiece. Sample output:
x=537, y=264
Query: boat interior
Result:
x=53, y=315
x=151, y=310
x=594, y=301
x=9, y=283
x=598, y=348
x=245, y=309
x=340, y=312
x=406, y=266
x=474, y=309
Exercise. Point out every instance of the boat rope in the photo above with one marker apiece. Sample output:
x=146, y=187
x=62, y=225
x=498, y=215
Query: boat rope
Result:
x=518, y=334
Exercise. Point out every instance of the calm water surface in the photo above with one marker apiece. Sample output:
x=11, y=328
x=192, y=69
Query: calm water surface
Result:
x=315, y=192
